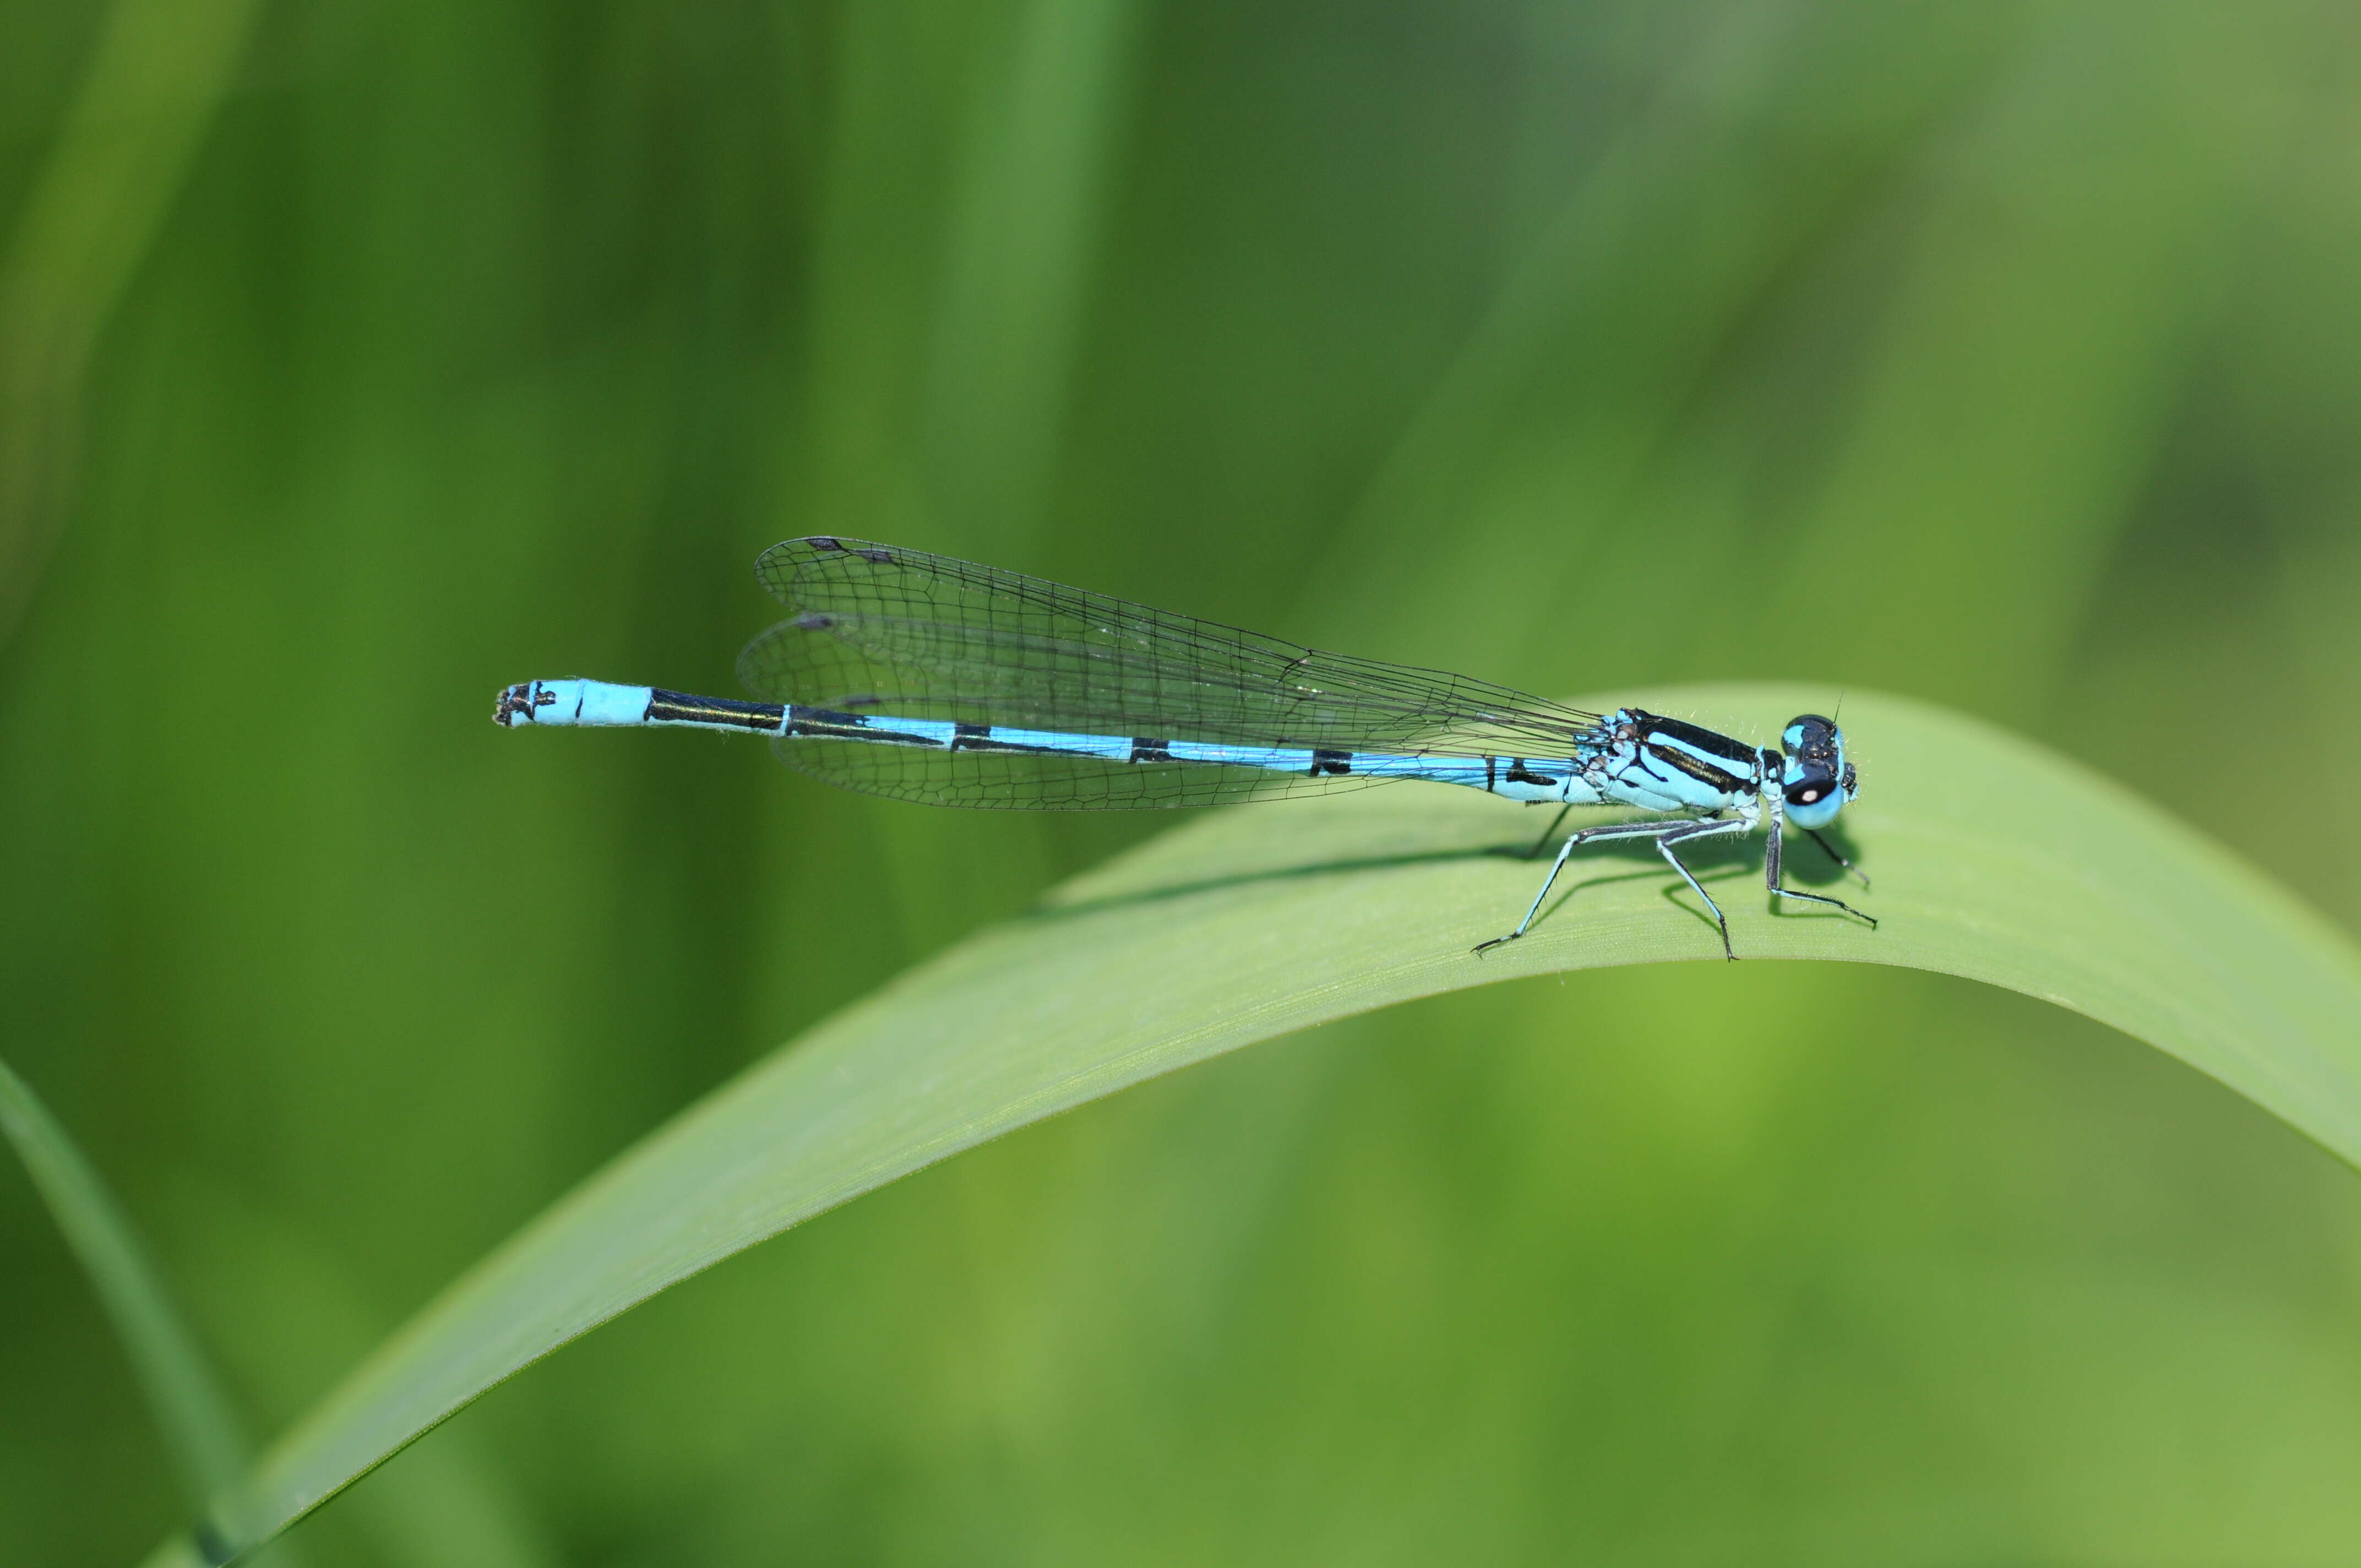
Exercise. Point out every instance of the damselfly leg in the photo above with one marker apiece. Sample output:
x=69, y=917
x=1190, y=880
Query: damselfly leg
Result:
x=1773, y=878
x=1838, y=859
x=1824, y=898
x=1703, y=830
x=1665, y=834
x=1547, y=834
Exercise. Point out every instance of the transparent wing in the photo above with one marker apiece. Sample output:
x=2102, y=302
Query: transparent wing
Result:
x=883, y=630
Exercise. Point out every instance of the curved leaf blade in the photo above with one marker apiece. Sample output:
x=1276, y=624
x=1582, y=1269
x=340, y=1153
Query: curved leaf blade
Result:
x=193, y=1414
x=1994, y=859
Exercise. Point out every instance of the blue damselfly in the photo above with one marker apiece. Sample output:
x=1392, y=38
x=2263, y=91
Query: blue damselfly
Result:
x=940, y=681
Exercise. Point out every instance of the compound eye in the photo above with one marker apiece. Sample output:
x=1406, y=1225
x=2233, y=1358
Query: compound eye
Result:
x=1809, y=792
x=1812, y=738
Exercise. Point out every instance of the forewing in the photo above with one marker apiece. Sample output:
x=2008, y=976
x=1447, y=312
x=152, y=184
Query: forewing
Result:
x=887, y=631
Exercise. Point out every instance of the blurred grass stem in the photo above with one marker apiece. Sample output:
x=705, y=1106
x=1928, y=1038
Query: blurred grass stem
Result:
x=160, y=71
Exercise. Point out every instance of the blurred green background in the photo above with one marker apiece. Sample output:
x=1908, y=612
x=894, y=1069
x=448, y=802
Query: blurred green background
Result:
x=356, y=358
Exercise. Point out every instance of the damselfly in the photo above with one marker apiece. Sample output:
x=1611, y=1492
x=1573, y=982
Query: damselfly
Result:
x=930, y=679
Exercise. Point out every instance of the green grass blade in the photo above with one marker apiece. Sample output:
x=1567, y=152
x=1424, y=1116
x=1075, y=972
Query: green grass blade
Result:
x=160, y=73
x=1028, y=213
x=1992, y=858
x=200, y=1429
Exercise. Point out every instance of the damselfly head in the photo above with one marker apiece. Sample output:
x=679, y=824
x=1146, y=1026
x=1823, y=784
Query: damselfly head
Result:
x=1818, y=780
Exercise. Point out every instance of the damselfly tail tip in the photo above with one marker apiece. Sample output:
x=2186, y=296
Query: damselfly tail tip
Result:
x=515, y=704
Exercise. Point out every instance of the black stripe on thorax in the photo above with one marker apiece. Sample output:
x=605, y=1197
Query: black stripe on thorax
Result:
x=1699, y=738
x=680, y=707
x=1720, y=779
